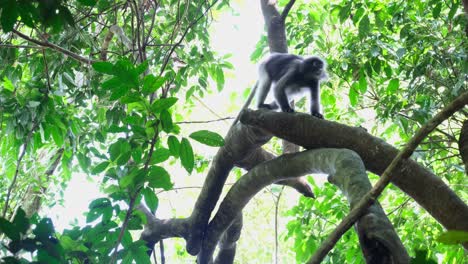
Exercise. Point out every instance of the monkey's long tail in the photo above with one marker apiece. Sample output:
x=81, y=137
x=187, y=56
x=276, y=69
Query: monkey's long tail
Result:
x=247, y=103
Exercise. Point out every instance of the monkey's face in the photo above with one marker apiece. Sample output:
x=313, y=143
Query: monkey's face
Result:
x=314, y=68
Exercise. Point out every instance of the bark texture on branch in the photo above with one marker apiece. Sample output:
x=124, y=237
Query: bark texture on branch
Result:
x=422, y=185
x=381, y=243
x=463, y=144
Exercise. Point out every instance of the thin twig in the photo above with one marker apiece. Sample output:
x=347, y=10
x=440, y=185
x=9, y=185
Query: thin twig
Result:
x=18, y=163
x=384, y=180
x=204, y=122
x=55, y=47
x=20, y=46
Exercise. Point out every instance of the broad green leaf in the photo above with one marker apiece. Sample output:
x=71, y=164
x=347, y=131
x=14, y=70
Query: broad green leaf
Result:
x=257, y=53
x=140, y=254
x=174, y=145
x=126, y=180
x=100, y=167
x=123, y=158
x=142, y=67
x=92, y=215
x=436, y=10
x=8, y=85
x=25, y=11
x=345, y=11
x=186, y=155
x=158, y=177
x=8, y=15
x=119, y=148
x=44, y=229
x=111, y=83
x=353, y=94
x=152, y=83
x=99, y=203
x=126, y=72
x=88, y=2
x=160, y=155
x=10, y=230
x=163, y=104
x=151, y=199
x=57, y=135
x=103, y=67
x=119, y=91
x=364, y=26
x=208, y=138
x=21, y=222
x=65, y=13
x=362, y=84
x=166, y=121
x=219, y=78
x=393, y=86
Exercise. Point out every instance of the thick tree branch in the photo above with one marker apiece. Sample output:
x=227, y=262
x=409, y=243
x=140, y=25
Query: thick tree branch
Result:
x=463, y=144
x=388, y=174
x=276, y=32
x=55, y=47
x=415, y=180
x=286, y=9
x=348, y=174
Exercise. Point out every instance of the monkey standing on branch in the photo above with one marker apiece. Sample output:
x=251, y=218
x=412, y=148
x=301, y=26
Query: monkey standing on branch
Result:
x=291, y=76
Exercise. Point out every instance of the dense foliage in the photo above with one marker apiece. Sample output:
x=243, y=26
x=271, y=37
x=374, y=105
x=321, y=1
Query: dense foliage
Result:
x=77, y=95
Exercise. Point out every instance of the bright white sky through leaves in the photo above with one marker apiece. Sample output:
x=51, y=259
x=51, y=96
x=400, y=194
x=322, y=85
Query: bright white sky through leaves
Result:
x=231, y=34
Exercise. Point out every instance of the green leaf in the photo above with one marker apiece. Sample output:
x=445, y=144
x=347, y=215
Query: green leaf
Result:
x=10, y=230
x=124, y=158
x=362, y=84
x=66, y=15
x=44, y=229
x=163, y=104
x=166, y=121
x=8, y=85
x=152, y=83
x=103, y=67
x=111, y=83
x=436, y=10
x=142, y=67
x=174, y=145
x=186, y=155
x=453, y=237
x=151, y=199
x=257, y=52
x=140, y=254
x=92, y=215
x=158, y=177
x=364, y=26
x=100, y=167
x=208, y=138
x=99, y=203
x=119, y=91
x=25, y=11
x=353, y=94
x=20, y=221
x=393, y=86
x=345, y=12
x=56, y=135
x=126, y=72
x=8, y=15
x=88, y=2
x=219, y=78
x=160, y=155
x=119, y=148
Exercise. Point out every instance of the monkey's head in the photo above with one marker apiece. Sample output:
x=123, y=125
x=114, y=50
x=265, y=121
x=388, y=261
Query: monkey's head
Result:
x=314, y=68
